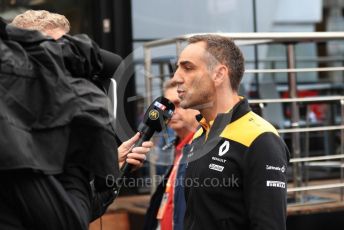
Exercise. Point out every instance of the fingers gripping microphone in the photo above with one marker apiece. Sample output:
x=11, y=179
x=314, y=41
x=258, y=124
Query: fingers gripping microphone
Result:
x=155, y=119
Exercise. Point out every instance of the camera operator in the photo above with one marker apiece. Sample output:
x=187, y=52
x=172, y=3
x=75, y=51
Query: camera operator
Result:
x=58, y=133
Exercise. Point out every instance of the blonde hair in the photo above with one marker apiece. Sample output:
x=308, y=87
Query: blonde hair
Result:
x=41, y=20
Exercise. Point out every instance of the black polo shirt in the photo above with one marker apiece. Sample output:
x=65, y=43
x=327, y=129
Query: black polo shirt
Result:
x=236, y=174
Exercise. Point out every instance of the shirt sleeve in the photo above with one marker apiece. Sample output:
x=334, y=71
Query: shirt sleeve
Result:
x=265, y=182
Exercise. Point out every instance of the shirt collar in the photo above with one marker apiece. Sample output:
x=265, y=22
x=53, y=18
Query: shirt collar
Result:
x=239, y=109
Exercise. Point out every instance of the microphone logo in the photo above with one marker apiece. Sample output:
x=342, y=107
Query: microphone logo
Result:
x=159, y=105
x=153, y=114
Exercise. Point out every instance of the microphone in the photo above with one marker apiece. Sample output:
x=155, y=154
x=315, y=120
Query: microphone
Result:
x=156, y=117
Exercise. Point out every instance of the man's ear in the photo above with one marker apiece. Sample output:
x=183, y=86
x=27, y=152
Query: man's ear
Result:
x=220, y=75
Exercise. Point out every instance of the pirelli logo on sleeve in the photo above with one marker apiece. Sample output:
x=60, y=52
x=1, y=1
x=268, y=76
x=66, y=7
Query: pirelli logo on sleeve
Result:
x=276, y=184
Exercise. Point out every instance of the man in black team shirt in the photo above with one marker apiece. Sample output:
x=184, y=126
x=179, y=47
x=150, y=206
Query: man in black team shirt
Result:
x=58, y=146
x=236, y=170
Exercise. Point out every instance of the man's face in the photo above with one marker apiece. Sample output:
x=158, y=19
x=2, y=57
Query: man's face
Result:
x=182, y=118
x=195, y=85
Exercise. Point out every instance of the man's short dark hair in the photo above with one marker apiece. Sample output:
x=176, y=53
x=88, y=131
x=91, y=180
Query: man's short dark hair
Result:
x=223, y=50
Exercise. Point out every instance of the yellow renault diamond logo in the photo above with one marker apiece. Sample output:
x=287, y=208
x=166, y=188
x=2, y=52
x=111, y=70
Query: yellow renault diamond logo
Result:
x=153, y=114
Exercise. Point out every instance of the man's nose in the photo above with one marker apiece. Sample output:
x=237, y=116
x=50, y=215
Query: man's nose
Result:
x=176, y=79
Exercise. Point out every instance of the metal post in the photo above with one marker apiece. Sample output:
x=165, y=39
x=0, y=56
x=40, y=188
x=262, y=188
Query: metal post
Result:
x=149, y=99
x=256, y=65
x=148, y=75
x=295, y=118
x=342, y=151
x=161, y=77
x=273, y=66
x=178, y=47
x=307, y=137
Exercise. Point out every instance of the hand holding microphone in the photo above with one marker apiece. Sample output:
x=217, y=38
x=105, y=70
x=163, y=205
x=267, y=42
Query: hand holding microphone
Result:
x=134, y=156
x=155, y=119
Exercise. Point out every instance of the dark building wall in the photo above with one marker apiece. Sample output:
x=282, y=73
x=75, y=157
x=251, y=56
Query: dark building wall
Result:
x=112, y=30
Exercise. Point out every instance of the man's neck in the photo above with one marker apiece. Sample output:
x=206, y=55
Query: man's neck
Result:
x=223, y=104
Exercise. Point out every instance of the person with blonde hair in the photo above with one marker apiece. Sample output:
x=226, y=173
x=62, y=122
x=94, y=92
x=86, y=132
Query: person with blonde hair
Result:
x=51, y=24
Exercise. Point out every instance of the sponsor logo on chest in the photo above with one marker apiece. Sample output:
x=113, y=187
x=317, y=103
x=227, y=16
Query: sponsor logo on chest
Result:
x=216, y=167
x=219, y=159
x=276, y=184
x=224, y=148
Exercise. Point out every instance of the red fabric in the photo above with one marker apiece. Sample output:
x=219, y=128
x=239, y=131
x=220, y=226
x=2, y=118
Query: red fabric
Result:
x=166, y=223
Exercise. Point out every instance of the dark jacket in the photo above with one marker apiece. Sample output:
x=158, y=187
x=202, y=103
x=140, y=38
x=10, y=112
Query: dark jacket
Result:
x=178, y=199
x=236, y=174
x=51, y=114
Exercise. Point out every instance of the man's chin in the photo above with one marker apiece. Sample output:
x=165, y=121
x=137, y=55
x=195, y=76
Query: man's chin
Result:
x=184, y=104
